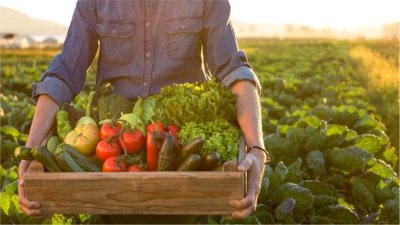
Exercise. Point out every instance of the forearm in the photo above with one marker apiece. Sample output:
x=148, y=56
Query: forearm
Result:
x=43, y=120
x=249, y=114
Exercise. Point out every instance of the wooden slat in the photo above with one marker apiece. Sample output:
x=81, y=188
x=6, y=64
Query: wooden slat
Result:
x=231, y=165
x=168, y=193
x=35, y=167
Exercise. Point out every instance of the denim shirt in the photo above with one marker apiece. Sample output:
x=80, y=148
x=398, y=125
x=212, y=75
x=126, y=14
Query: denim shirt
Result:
x=144, y=46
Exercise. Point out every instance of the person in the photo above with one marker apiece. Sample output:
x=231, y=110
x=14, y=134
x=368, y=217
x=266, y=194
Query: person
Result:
x=144, y=46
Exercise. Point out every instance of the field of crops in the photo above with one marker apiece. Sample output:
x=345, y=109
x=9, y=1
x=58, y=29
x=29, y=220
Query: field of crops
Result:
x=331, y=127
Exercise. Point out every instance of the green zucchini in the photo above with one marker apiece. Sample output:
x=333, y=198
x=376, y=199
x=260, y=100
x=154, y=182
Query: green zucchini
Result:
x=77, y=155
x=139, y=157
x=167, y=155
x=192, y=147
x=192, y=163
x=87, y=166
x=209, y=161
x=48, y=160
x=23, y=153
x=66, y=162
x=52, y=144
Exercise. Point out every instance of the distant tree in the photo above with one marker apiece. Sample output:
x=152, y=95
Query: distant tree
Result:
x=391, y=30
x=289, y=28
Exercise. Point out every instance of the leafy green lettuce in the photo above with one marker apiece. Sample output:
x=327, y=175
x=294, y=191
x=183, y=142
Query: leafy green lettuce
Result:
x=220, y=136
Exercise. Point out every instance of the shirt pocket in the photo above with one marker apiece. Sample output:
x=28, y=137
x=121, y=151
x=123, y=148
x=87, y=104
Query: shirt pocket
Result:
x=116, y=41
x=183, y=38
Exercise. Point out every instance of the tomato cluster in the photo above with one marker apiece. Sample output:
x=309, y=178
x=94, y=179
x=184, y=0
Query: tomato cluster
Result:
x=112, y=145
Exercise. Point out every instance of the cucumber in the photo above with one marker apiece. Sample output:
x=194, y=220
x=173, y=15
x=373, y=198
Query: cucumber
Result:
x=87, y=166
x=209, y=161
x=167, y=155
x=139, y=157
x=192, y=163
x=52, y=144
x=23, y=153
x=48, y=160
x=192, y=147
x=77, y=155
x=66, y=162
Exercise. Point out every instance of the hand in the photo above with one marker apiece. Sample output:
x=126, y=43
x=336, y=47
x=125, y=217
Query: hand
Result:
x=254, y=164
x=30, y=208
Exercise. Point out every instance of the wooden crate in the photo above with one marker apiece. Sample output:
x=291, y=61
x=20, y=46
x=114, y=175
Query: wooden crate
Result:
x=158, y=193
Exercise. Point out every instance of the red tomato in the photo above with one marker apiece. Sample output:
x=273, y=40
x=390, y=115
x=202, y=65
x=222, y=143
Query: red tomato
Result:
x=105, y=150
x=133, y=141
x=110, y=165
x=106, y=131
x=135, y=168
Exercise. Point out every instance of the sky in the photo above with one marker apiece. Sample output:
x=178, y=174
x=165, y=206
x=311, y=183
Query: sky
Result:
x=336, y=14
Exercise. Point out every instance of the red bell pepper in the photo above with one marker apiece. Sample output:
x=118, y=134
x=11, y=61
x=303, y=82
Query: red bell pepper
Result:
x=174, y=131
x=153, y=144
x=157, y=126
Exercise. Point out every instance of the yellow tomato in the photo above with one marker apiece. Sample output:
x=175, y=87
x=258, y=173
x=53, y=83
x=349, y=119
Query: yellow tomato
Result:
x=84, y=138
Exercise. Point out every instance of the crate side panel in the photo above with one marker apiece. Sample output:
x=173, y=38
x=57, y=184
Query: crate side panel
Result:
x=136, y=193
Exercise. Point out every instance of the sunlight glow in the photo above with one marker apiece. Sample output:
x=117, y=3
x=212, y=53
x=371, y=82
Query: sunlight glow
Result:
x=339, y=14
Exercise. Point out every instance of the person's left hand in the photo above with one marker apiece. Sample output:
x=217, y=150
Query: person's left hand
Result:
x=254, y=164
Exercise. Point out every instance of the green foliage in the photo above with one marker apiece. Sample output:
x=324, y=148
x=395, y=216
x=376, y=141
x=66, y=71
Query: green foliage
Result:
x=220, y=136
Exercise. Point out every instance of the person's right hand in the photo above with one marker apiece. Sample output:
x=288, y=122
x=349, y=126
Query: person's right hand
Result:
x=30, y=208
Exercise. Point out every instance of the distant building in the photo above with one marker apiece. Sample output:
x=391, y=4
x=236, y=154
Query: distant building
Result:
x=27, y=41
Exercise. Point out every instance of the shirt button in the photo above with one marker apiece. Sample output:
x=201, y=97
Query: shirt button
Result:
x=147, y=24
x=145, y=84
x=148, y=55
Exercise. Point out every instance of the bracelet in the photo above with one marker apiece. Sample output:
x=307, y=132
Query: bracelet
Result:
x=265, y=151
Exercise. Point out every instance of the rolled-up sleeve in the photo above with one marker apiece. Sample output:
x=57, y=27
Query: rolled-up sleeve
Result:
x=65, y=76
x=221, y=52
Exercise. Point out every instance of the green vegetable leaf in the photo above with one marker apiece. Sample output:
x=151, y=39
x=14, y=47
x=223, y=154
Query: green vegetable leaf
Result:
x=299, y=137
x=351, y=134
x=264, y=217
x=292, y=178
x=350, y=115
x=343, y=203
x=346, y=160
x=316, y=161
x=285, y=209
x=382, y=136
x=324, y=200
x=252, y=220
x=335, y=135
x=383, y=192
x=11, y=188
x=18, y=215
x=368, y=142
x=364, y=191
x=295, y=167
x=322, y=112
x=382, y=169
x=302, y=196
x=10, y=130
x=367, y=156
x=334, y=214
x=5, y=203
x=365, y=124
x=313, y=121
x=279, y=174
x=264, y=190
x=318, y=188
x=316, y=141
x=391, y=207
x=267, y=171
x=281, y=146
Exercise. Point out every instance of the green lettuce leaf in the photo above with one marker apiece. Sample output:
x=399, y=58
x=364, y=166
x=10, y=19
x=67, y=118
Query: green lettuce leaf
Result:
x=335, y=135
x=334, y=214
x=302, y=196
x=285, y=209
x=382, y=169
x=368, y=142
x=316, y=161
x=316, y=141
x=365, y=192
x=318, y=188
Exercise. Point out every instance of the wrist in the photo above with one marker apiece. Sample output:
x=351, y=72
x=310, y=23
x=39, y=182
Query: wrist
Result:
x=259, y=152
